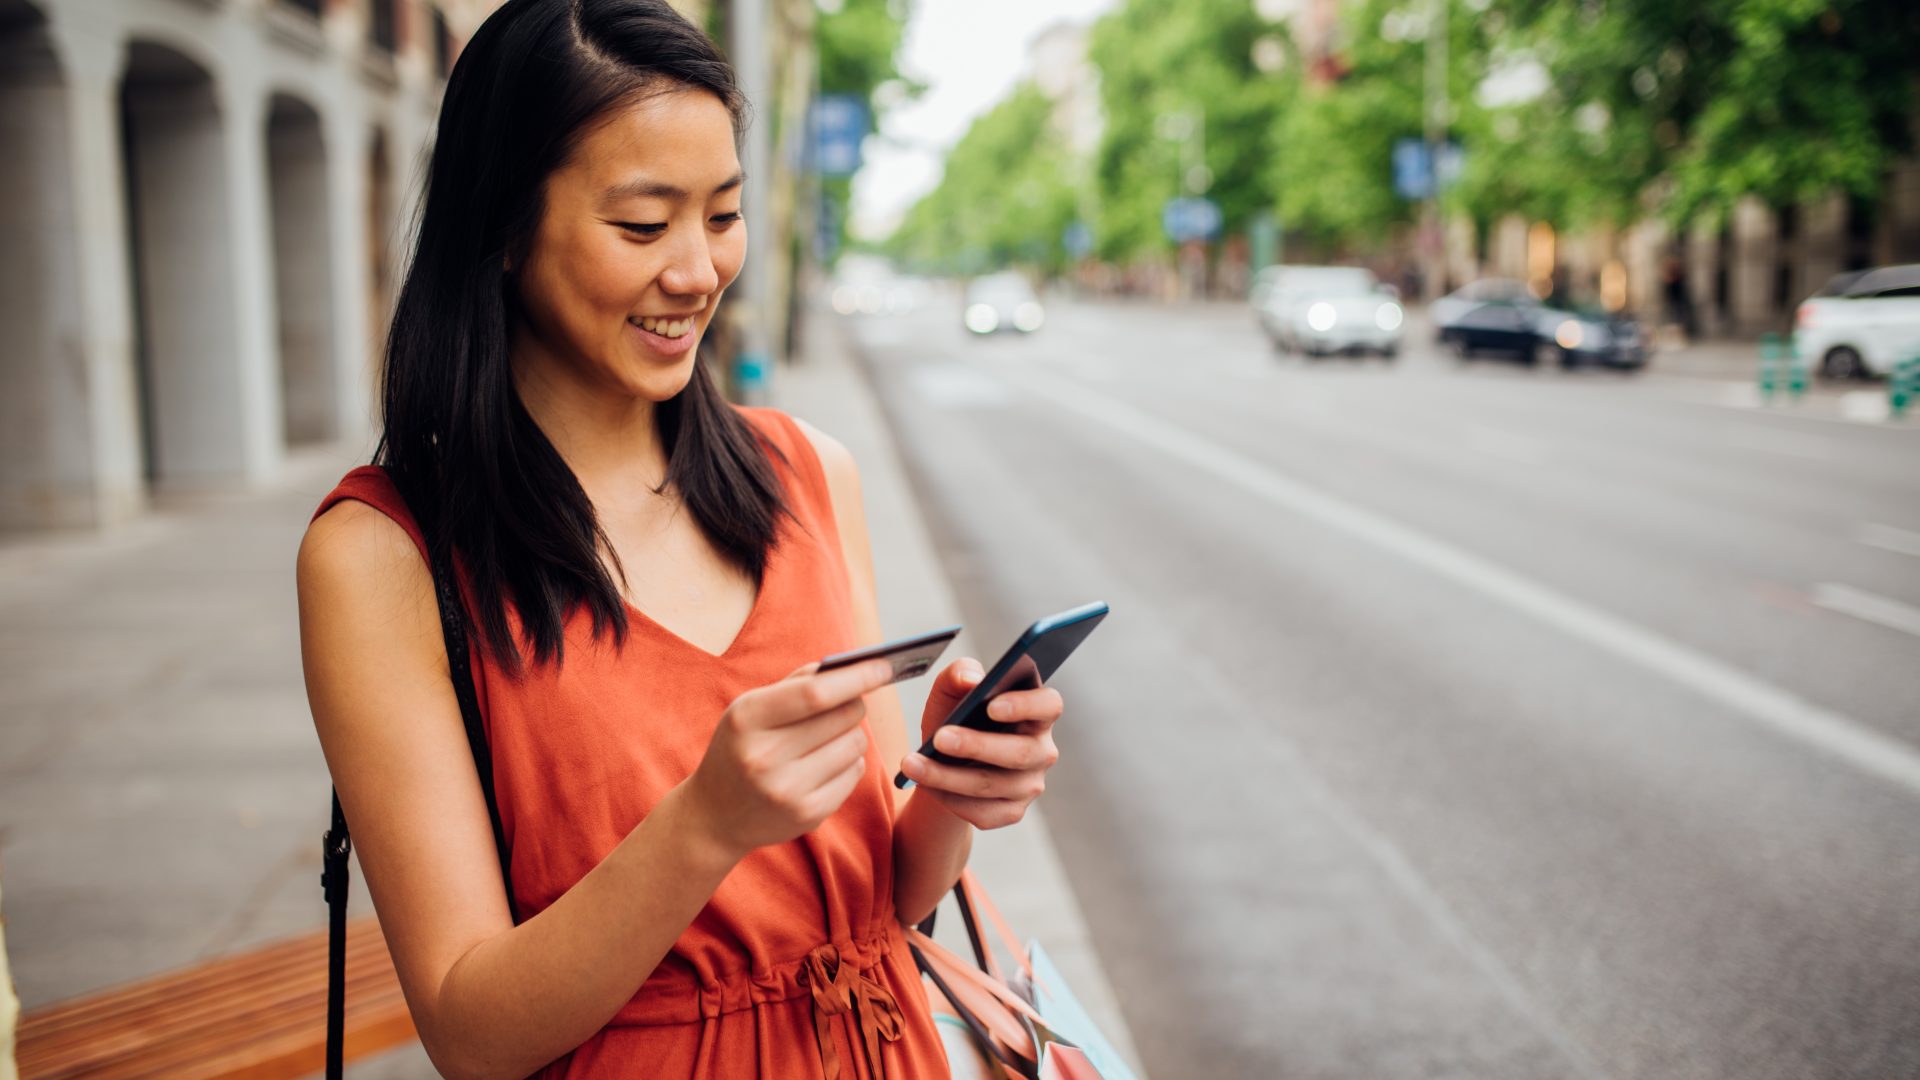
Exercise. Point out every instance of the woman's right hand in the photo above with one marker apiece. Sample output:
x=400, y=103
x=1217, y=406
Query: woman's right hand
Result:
x=784, y=757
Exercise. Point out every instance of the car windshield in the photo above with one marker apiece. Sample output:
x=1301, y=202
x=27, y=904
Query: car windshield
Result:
x=1000, y=288
x=1332, y=281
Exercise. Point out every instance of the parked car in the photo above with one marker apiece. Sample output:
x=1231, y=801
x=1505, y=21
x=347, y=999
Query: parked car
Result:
x=1002, y=301
x=1450, y=307
x=1861, y=323
x=1326, y=309
x=1528, y=329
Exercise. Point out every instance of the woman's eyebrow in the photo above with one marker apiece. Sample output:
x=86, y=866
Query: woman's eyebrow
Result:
x=641, y=187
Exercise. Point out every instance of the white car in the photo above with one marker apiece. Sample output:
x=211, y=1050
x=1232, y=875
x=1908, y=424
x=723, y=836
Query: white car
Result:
x=1327, y=309
x=1002, y=301
x=1861, y=323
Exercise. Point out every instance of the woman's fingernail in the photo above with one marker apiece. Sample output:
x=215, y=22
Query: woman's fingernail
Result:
x=1000, y=710
x=911, y=765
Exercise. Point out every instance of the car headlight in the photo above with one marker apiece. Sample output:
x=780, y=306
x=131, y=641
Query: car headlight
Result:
x=1389, y=317
x=1028, y=317
x=1321, y=317
x=982, y=319
x=1569, y=335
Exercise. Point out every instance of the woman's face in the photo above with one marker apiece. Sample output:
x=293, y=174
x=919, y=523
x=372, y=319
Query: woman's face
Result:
x=640, y=234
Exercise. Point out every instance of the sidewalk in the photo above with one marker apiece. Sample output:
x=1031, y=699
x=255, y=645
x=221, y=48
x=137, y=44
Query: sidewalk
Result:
x=162, y=795
x=1017, y=865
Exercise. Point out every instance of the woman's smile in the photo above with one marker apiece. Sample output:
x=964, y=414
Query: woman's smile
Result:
x=667, y=337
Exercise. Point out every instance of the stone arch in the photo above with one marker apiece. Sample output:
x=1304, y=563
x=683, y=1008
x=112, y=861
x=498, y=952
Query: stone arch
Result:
x=180, y=239
x=46, y=457
x=302, y=270
x=381, y=222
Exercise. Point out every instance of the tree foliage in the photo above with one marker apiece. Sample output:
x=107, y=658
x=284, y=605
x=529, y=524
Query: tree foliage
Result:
x=857, y=45
x=1783, y=99
x=1006, y=196
x=1156, y=60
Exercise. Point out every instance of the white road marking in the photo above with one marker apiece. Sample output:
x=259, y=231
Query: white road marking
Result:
x=1872, y=607
x=1840, y=737
x=1887, y=538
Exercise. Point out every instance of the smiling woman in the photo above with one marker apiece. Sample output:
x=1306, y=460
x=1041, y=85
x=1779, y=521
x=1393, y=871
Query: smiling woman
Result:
x=683, y=857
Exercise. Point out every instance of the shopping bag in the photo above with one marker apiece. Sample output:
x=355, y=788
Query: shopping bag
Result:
x=1002, y=1010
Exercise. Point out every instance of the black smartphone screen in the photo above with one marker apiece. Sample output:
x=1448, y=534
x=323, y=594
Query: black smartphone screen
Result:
x=1031, y=661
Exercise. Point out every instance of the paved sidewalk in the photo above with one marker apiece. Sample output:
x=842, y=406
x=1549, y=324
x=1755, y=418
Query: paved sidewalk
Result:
x=162, y=795
x=1017, y=865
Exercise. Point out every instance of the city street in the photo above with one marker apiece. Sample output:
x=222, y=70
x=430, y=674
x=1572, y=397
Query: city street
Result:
x=1452, y=721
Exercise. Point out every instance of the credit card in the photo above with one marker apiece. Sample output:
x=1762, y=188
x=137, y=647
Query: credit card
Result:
x=911, y=656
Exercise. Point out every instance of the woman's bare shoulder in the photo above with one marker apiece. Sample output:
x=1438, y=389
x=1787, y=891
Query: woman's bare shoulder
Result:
x=359, y=571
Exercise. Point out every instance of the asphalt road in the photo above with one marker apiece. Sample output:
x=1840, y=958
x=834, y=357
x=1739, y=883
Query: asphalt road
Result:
x=1451, y=721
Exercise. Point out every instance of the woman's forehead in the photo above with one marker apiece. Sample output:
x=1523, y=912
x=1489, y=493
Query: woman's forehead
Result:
x=679, y=139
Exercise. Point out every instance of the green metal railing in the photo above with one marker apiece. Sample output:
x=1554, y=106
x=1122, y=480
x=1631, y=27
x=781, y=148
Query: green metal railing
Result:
x=1903, y=386
x=1780, y=368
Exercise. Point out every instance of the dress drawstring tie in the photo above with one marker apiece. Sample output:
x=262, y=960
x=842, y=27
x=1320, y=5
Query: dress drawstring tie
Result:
x=838, y=988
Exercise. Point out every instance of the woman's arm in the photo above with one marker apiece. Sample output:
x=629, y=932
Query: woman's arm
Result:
x=490, y=998
x=1006, y=768
x=930, y=845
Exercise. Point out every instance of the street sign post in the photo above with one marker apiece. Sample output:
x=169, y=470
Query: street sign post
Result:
x=838, y=124
x=1190, y=219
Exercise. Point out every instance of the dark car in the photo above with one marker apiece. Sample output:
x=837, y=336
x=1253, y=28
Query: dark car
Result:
x=1529, y=330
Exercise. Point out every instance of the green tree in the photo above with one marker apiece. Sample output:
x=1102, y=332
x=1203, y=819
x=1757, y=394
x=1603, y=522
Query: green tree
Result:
x=1784, y=99
x=1158, y=60
x=857, y=44
x=1005, y=197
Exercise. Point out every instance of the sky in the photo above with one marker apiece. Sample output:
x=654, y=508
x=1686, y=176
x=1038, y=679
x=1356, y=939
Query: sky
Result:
x=969, y=53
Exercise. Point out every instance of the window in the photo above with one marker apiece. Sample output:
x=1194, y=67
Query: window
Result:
x=383, y=28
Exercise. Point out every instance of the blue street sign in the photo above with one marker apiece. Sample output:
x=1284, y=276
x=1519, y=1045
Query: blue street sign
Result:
x=1190, y=219
x=838, y=123
x=1414, y=171
x=1077, y=240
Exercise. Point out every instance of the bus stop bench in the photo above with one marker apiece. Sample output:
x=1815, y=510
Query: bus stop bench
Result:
x=260, y=1014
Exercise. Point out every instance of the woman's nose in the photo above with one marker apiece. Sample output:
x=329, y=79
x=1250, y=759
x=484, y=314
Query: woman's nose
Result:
x=690, y=270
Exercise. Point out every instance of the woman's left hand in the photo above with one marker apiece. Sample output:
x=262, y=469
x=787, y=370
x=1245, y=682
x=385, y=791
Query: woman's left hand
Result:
x=1006, y=768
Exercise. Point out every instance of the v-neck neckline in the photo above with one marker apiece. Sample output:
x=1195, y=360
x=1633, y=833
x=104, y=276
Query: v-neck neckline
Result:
x=753, y=614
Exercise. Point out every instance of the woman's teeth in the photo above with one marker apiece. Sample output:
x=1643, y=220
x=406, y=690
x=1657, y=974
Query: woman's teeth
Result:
x=668, y=328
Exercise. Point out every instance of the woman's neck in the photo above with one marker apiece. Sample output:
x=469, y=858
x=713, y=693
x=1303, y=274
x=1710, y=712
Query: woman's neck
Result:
x=611, y=442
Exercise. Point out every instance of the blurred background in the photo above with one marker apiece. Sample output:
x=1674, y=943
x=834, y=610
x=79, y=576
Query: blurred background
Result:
x=1490, y=420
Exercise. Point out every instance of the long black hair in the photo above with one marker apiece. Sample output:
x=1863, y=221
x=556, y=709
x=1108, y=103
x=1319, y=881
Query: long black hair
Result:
x=473, y=466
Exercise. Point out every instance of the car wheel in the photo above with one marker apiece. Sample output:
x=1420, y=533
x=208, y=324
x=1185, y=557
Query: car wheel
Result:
x=1842, y=364
x=1568, y=361
x=1391, y=352
x=1530, y=354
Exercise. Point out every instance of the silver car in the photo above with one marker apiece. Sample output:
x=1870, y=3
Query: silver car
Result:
x=1319, y=310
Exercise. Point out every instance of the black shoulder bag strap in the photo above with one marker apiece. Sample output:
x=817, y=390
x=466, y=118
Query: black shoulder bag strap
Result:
x=338, y=843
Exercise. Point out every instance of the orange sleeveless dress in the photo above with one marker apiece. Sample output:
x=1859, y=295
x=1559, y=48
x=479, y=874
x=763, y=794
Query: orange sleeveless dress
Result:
x=796, y=968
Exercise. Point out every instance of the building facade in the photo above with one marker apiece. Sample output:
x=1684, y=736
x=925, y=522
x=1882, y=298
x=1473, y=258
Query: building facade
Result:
x=204, y=211
x=201, y=230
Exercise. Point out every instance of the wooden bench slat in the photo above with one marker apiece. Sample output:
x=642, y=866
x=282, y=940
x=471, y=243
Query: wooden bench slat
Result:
x=279, y=1050
x=182, y=1044
x=303, y=957
x=228, y=980
x=258, y=1014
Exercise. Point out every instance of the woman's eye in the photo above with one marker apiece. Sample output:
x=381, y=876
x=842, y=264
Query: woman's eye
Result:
x=644, y=228
x=724, y=220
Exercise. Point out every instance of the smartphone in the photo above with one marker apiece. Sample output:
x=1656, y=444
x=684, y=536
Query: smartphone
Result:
x=911, y=656
x=1026, y=666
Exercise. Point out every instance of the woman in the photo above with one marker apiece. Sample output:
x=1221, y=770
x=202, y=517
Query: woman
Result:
x=708, y=864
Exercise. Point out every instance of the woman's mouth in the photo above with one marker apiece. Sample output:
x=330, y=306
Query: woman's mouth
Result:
x=665, y=335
